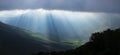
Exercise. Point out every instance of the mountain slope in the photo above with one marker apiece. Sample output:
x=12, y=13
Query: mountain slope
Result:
x=101, y=43
x=16, y=41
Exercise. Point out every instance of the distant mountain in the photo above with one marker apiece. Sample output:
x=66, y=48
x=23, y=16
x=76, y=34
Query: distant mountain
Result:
x=16, y=41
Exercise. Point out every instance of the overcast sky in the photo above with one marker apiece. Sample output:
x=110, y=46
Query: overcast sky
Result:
x=73, y=5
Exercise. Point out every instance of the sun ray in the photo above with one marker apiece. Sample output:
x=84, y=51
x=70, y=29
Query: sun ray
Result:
x=62, y=24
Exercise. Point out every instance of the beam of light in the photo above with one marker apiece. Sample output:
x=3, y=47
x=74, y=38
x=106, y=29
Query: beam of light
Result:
x=59, y=24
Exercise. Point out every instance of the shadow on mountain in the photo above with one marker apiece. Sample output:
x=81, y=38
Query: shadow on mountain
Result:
x=100, y=43
x=16, y=41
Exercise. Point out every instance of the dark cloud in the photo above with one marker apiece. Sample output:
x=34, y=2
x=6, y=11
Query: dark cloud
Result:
x=74, y=5
x=103, y=5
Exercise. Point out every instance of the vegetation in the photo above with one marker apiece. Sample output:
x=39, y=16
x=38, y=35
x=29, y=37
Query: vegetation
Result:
x=100, y=43
x=74, y=43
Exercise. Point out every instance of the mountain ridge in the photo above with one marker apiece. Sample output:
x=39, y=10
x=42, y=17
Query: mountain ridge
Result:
x=15, y=41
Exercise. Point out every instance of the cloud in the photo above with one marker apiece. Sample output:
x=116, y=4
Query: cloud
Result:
x=74, y=5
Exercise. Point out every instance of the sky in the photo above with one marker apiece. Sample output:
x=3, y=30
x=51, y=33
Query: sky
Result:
x=72, y=5
x=57, y=16
x=61, y=24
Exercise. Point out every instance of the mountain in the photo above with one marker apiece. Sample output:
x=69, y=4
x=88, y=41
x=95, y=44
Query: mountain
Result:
x=16, y=41
x=48, y=30
x=100, y=43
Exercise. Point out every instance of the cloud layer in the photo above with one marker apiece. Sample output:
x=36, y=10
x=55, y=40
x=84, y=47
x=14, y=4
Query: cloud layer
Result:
x=74, y=5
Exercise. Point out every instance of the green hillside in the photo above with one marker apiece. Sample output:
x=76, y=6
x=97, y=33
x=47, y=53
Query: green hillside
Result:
x=17, y=41
x=72, y=43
